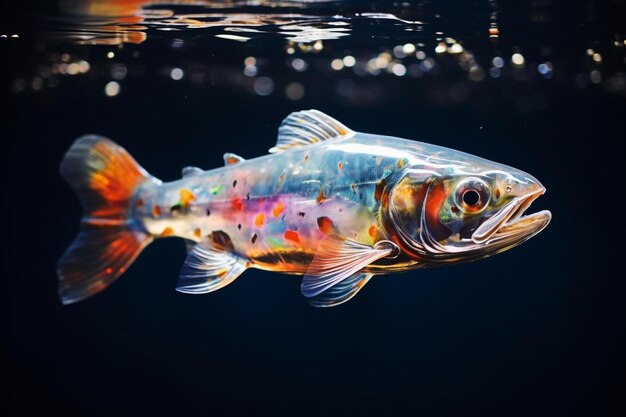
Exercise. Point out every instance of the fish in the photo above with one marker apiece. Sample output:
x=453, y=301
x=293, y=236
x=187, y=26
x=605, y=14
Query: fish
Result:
x=327, y=203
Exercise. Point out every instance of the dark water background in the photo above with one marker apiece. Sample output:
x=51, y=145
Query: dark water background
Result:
x=538, y=330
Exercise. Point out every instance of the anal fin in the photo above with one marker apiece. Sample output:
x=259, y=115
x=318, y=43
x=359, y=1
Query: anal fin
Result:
x=208, y=269
x=341, y=292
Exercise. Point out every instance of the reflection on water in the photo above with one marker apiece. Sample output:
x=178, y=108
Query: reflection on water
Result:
x=114, y=22
x=359, y=49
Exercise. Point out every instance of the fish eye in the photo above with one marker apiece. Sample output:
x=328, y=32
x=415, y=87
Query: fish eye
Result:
x=472, y=195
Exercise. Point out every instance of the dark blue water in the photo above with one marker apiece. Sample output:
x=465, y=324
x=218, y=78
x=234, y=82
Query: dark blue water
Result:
x=538, y=330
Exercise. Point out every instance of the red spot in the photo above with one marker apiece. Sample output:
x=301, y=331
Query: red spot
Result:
x=434, y=200
x=260, y=200
x=339, y=166
x=237, y=204
x=156, y=211
x=109, y=270
x=371, y=230
x=325, y=224
x=293, y=236
x=139, y=203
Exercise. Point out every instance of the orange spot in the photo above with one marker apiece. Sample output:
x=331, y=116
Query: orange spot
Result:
x=278, y=208
x=197, y=232
x=168, y=231
x=139, y=203
x=339, y=166
x=325, y=224
x=186, y=197
x=231, y=160
x=109, y=270
x=371, y=230
x=293, y=236
x=258, y=220
x=320, y=197
x=237, y=204
x=156, y=211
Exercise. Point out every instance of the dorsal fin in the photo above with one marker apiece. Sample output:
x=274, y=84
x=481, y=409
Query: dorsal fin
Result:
x=191, y=171
x=306, y=127
x=231, y=158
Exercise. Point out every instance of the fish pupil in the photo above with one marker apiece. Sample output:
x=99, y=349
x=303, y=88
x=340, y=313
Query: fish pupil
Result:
x=471, y=197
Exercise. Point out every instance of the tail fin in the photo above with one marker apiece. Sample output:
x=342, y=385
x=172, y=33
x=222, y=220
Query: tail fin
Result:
x=105, y=177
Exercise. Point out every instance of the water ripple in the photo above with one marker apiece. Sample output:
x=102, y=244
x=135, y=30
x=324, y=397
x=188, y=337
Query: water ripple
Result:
x=112, y=22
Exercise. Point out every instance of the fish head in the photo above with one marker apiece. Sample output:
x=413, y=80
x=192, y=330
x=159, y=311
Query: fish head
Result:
x=461, y=214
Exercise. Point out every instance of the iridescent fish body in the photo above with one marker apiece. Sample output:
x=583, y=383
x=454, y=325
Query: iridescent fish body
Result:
x=328, y=203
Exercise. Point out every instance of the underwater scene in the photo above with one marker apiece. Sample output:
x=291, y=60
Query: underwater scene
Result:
x=313, y=207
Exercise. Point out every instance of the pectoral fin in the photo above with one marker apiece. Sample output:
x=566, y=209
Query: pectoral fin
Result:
x=338, y=259
x=208, y=269
x=341, y=292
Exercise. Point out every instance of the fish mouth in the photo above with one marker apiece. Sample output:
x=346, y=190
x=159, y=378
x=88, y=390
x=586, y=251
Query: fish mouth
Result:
x=510, y=225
